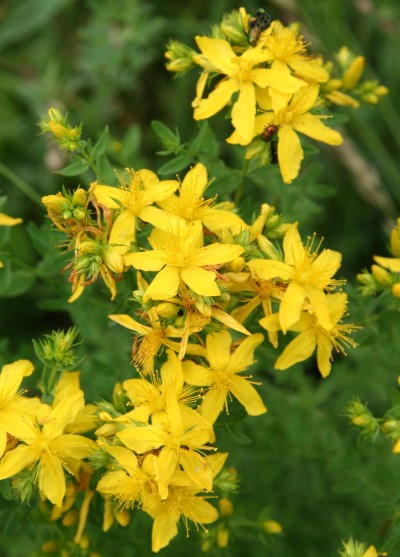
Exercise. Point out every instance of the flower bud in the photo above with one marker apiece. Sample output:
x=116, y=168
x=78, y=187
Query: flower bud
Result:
x=353, y=73
x=58, y=130
x=396, y=289
x=381, y=275
x=236, y=265
x=56, y=203
x=272, y=527
x=222, y=537
x=180, y=57
x=232, y=26
x=395, y=240
x=78, y=213
x=79, y=197
x=113, y=259
x=225, y=507
x=55, y=115
x=267, y=247
x=167, y=309
x=70, y=518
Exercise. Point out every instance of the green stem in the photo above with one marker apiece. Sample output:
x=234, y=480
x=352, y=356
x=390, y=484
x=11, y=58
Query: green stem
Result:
x=92, y=165
x=21, y=185
x=240, y=189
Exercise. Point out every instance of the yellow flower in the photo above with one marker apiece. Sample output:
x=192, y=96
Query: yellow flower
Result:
x=14, y=407
x=183, y=500
x=151, y=396
x=46, y=444
x=307, y=274
x=134, y=199
x=179, y=435
x=182, y=258
x=295, y=117
x=191, y=205
x=222, y=377
x=242, y=75
x=126, y=484
x=154, y=336
x=286, y=49
x=313, y=336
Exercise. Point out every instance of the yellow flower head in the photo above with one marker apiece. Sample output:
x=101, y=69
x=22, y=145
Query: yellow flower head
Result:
x=286, y=48
x=307, y=274
x=182, y=258
x=45, y=443
x=242, y=75
x=134, y=199
x=222, y=376
x=314, y=336
x=190, y=205
x=290, y=120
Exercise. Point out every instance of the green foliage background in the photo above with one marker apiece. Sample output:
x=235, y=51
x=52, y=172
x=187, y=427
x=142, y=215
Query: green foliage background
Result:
x=103, y=62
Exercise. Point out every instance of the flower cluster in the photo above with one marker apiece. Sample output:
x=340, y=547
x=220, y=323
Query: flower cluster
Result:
x=207, y=283
x=275, y=89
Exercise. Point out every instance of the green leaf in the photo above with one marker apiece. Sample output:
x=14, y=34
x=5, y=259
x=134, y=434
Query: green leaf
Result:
x=175, y=165
x=171, y=140
x=5, y=278
x=131, y=142
x=79, y=166
x=21, y=282
x=106, y=171
x=52, y=264
x=205, y=141
x=101, y=144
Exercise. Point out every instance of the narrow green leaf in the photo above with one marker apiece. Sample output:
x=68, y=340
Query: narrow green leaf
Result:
x=77, y=167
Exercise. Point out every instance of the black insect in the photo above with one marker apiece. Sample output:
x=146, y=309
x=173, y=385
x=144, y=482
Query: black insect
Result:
x=268, y=133
x=257, y=24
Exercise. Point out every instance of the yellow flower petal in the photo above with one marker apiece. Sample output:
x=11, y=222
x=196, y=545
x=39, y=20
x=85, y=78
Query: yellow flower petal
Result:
x=266, y=269
x=165, y=466
x=243, y=356
x=143, y=439
x=16, y=460
x=200, y=281
x=281, y=81
x=194, y=182
x=291, y=304
x=164, y=529
x=391, y=263
x=218, y=349
x=290, y=153
x=247, y=396
x=312, y=126
x=129, y=323
x=5, y=220
x=52, y=479
x=197, y=469
x=297, y=350
x=310, y=69
x=293, y=246
x=324, y=355
x=216, y=100
x=123, y=232
x=320, y=305
x=165, y=285
x=219, y=52
x=213, y=403
x=214, y=254
x=151, y=260
x=62, y=414
x=304, y=100
x=244, y=112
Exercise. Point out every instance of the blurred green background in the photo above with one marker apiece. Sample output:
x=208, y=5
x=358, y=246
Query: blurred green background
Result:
x=103, y=62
